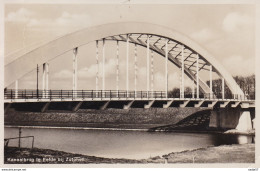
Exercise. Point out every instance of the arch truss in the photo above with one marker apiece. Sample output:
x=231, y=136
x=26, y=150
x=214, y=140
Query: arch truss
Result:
x=179, y=50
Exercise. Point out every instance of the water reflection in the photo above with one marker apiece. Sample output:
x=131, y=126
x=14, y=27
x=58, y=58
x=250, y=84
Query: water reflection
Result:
x=121, y=144
x=227, y=139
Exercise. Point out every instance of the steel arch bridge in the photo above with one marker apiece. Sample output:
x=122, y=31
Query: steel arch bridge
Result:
x=173, y=46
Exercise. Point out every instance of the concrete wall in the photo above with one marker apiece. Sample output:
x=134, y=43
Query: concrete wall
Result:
x=227, y=118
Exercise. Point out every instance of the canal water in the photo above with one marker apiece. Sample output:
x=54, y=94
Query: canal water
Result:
x=120, y=144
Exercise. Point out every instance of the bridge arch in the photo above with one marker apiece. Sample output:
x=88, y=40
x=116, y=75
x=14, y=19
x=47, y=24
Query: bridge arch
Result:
x=18, y=64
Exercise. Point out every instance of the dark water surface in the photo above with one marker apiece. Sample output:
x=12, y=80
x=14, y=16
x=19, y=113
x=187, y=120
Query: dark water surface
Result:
x=120, y=144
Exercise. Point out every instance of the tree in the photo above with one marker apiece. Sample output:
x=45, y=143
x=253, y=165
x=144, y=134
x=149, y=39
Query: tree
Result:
x=174, y=93
x=247, y=85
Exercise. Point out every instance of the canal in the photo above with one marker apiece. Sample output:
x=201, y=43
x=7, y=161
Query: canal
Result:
x=120, y=143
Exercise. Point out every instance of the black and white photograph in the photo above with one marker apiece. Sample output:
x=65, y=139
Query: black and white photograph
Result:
x=129, y=82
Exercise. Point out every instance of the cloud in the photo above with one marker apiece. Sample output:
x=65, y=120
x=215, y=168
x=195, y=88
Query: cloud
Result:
x=239, y=66
x=78, y=19
x=66, y=20
x=234, y=21
x=203, y=35
x=63, y=74
x=21, y=15
x=90, y=72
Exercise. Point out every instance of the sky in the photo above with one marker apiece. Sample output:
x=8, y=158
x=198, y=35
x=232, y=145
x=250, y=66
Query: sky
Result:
x=226, y=31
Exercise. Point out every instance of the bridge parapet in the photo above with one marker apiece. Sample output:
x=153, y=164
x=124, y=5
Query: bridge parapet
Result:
x=148, y=98
x=50, y=95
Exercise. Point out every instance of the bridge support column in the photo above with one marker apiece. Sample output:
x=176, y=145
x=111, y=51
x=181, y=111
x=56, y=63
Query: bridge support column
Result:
x=224, y=104
x=148, y=66
x=45, y=107
x=97, y=69
x=223, y=88
x=135, y=70
x=197, y=77
x=232, y=118
x=149, y=105
x=128, y=106
x=117, y=67
x=75, y=72
x=245, y=122
x=16, y=89
x=168, y=104
x=212, y=104
x=166, y=68
x=215, y=119
x=77, y=106
x=103, y=69
x=104, y=106
x=210, y=82
x=43, y=79
x=193, y=91
x=127, y=66
x=47, y=81
x=182, y=72
x=199, y=103
x=152, y=78
x=235, y=104
x=185, y=103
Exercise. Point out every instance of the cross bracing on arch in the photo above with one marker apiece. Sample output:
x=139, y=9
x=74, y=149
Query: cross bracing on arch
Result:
x=182, y=51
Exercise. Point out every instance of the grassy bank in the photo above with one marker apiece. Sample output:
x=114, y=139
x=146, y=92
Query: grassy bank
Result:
x=220, y=154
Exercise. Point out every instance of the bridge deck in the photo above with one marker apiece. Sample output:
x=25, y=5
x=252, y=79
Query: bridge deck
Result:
x=125, y=99
x=148, y=97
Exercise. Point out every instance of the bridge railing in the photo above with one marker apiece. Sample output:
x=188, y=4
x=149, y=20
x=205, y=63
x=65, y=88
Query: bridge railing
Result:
x=70, y=94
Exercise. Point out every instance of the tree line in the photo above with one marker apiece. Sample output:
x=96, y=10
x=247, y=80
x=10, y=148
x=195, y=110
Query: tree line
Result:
x=247, y=85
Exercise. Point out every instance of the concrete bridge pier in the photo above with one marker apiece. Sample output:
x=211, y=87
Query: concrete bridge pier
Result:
x=245, y=121
x=239, y=118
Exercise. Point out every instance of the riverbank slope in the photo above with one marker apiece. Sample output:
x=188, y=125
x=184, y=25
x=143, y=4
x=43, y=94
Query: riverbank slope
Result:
x=220, y=154
x=136, y=118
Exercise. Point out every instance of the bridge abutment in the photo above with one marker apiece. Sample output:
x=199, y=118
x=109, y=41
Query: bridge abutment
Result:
x=245, y=122
x=239, y=118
